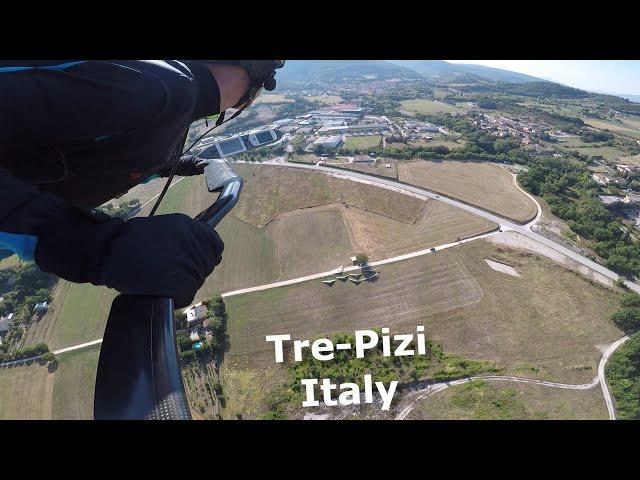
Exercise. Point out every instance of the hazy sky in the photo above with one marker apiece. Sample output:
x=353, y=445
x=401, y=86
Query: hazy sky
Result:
x=611, y=76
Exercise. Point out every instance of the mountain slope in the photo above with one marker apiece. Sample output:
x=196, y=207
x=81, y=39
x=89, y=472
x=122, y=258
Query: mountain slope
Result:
x=450, y=71
x=327, y=71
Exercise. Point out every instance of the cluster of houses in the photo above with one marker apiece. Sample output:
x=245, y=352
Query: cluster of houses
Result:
x=5, y=320
x=505, y=126
x=618, y=178
x=627, y=206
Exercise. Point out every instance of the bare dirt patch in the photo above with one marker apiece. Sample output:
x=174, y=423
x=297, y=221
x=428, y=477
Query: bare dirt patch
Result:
x=502, y=267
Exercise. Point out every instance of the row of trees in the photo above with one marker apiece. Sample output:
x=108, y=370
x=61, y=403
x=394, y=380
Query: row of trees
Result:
x=592, y=136
x=33, y=351
x=623, y=374
x=572, y=196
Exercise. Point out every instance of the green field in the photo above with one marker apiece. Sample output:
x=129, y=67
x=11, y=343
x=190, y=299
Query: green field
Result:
x=26, y=392
x=42, y=391
x=365, y=141
x=591, y=149
x=427, y=106
x=497, y=400
x=629, y=126
x=74, y=384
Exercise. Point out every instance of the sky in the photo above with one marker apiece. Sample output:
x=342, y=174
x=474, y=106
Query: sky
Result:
x=609, y=76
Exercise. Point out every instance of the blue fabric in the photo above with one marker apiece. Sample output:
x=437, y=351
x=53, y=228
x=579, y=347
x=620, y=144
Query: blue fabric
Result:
x=62, y=66
x=148, y=179
x=23, y=245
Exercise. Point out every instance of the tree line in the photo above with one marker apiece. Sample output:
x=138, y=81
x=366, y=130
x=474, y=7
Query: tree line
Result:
x=572, y=196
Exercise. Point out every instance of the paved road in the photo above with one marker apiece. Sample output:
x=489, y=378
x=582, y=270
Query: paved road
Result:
x=398, y=258
x=77, y=347
x=504, y=223
x=56, y=352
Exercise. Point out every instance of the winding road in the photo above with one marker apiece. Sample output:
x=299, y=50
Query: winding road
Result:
x=505, y=225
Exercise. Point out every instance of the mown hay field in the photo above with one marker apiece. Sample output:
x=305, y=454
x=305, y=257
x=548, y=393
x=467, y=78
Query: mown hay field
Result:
x=485, y=185
x=549, y=323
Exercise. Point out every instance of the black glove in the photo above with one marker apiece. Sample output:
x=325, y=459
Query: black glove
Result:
x=188, y=165
x=168, y=255
x=262, y=74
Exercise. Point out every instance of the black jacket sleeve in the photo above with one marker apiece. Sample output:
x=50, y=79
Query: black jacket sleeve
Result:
x=24, y=208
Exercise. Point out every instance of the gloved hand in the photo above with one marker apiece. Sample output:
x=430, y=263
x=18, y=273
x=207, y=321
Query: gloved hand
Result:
x=188, y=165
x=167, y=255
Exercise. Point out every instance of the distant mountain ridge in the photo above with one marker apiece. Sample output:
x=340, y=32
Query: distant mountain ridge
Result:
x=439, y=69
x=300, y=72
x=327, y=71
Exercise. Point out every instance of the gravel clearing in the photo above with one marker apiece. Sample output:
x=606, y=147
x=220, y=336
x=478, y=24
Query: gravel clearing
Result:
x=502, y=267
x=517, y=240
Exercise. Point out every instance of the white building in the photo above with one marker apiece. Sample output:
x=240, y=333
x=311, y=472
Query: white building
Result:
x=329, y=142
x=283, y=122
x=196, y=314
x=422, y=126
x=601, y=178
x=41, y=306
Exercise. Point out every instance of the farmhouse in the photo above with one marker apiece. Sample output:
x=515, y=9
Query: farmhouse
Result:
x=5, y=325
x=601, y=178
x=623, y=168
x=196, y=313
x=41, y=306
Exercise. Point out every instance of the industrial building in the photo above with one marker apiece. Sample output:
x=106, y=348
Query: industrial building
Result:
x=421, y=126
x=329, y=142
